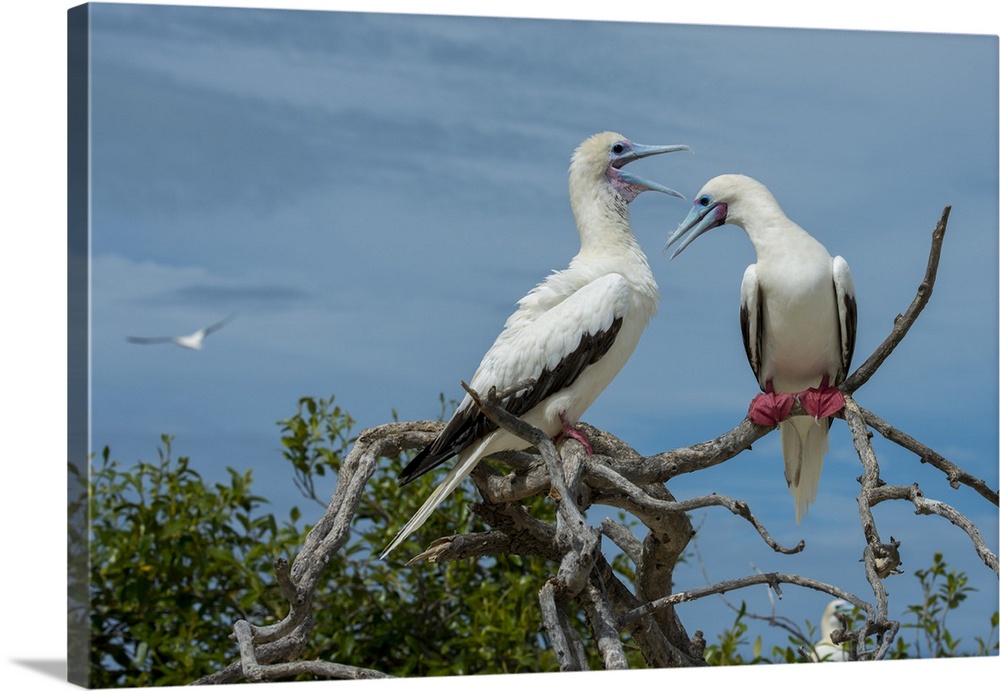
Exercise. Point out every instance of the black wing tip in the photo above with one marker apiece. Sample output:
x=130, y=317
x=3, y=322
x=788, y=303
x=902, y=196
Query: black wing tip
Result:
x=421, y=464
x=219, y=324
x=406, y=478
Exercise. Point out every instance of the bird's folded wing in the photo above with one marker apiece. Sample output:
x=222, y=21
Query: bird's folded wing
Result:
x=847, y=309
x=549, y=353
x=751, y=321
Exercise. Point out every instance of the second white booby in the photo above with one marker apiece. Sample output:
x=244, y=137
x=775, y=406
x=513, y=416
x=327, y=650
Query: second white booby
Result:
x=570, y=335
x=798, y=317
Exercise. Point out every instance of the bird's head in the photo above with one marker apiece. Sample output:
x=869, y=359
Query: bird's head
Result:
x=722, y=200
x=835, y=615
x=601, y=158
x=710, y=210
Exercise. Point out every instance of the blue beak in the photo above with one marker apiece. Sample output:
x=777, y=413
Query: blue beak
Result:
x=642, y=151
x=699, y=219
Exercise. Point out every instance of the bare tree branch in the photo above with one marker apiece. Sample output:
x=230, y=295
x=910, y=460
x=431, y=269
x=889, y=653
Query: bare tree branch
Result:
x=576, y=540
x=956, y=476
x=637, y=501
x=623, y=537
x=903, y=322
x=254, y=671
x=927, y=506
x=869, y=482
x=772, y=580
x=565, y=641
x=602, y=622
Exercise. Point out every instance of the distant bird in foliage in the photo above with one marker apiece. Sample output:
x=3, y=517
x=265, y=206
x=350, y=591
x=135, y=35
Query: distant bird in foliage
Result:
x=833, y=619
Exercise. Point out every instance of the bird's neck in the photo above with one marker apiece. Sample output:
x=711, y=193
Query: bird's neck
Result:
x=602, y=219
x=776, y=238
x=607, y=243
x=612, y=248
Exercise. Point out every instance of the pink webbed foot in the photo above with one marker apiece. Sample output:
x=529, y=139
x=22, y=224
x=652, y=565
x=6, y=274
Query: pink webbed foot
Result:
x=823, y=401
x=769, y=408
x=572, y=432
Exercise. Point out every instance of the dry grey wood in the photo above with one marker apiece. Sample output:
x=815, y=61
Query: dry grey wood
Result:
x=772, y=580
x=884, y=630
x=602, y=621
x=904, y=321
x=577, y=541
x=254, y=671
x=289, y=646
x=639, y=501
x=926, y=506
x=623, y=537
x=956, y=476
x=615, y=475
x=869, y=481
x=565, y=641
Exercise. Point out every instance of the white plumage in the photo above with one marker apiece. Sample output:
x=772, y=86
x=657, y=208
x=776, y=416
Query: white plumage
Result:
x=798, y=317
x=825, y=650
x=571, y=334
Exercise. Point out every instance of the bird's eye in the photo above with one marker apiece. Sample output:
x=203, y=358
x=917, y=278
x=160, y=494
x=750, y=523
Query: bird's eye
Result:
x=619, y=148
x=703, y=200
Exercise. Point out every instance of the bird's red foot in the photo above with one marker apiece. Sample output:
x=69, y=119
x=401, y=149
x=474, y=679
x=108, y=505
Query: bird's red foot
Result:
x=769, y=408
x=572, y=432
x=822, y=401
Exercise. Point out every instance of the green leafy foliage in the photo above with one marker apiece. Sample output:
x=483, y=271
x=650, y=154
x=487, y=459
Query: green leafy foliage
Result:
x=943, y=591
x=314, y=441
x=172, y=559
x=728, y=649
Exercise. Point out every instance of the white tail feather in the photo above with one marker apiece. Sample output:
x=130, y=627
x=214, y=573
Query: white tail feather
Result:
x=804, y=442
x=466, y=462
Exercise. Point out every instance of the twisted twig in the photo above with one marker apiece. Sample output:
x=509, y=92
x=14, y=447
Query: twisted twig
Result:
x=956, y=476
x=636, y=500
x=925, y=506
x=904, y=321
x=772, y=580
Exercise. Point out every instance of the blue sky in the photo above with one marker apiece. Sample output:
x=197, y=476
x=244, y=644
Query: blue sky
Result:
x=372, y=193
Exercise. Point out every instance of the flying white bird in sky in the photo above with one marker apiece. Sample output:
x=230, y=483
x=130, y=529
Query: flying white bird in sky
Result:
x=193, y=341
x=799, y=320
x=570, y=335
x=833, y=619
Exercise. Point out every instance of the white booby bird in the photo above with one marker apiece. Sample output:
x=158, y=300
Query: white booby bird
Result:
x=571, y=333
x=833, y=618
x=193, y=341
x=798, y=316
